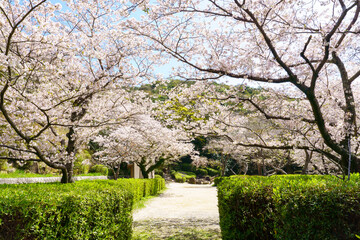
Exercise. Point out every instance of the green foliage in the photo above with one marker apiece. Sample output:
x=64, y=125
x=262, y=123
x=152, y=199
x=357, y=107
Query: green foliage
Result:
x=188, y=167
x=183, y=176
x=159, y=172
x=213, y=172
x=158, y=176
x=201, y=172
x=3, y=165
x=218, y=180
x=99, y=169
x=289, y=207
x=83, y=210
x=24, y=174
x=79, y=167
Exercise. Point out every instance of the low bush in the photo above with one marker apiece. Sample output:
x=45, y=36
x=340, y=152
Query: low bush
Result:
x=201, y=172
x=159, y=172
x=80, y=158
x=213, y=172
x=188, y=167
x=218, y=180
x=3, y=165
x=180, y=178
x=289, y=207
x=183, y=176
x=99, y=169
x=98, y=209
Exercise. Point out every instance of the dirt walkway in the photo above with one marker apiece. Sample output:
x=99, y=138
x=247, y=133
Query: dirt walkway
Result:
x=183, y=209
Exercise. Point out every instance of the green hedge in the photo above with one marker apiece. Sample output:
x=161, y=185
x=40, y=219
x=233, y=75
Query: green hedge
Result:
x=98, y=209
x=289, y=207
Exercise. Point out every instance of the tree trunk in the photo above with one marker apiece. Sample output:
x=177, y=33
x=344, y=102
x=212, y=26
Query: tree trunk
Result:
x=116, y=171
x=67, y=173
x=326, y=169
x=223, y=164
x=264, y=167
x=307, y=161
x=144, y=172
x=259, y=168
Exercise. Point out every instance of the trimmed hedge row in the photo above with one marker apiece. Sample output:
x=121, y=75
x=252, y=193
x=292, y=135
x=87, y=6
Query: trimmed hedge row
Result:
x=100, y=209
x=289, y=207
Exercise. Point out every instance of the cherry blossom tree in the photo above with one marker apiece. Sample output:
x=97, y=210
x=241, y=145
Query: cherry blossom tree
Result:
x=232, y=119
x=64, y=73
x=310, y=47
x=116, y=147
x=144, y=142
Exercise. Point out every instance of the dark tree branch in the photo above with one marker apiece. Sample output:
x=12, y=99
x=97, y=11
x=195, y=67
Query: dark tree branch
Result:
x=355, y=76
x=355, y=18
x=268, y=116
x=7, y=117
x=8, y=43
x=17, y=149
x=268, y=43
x=21, y=159
x=302, y=54
x=350, y=111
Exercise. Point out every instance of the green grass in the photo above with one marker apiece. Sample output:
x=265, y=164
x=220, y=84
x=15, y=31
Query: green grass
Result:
x=23, y=174
x=141, y=203
x=89, y=174
x=177, y=234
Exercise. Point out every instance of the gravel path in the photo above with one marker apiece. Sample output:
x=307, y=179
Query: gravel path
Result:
x=182, y=200
x=181, y=206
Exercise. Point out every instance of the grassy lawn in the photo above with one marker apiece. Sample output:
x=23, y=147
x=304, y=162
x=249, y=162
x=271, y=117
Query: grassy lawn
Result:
x=174, y=230
x=177, y=234
x=23, y=174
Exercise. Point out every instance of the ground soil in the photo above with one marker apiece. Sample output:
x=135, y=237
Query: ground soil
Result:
x=183, y=211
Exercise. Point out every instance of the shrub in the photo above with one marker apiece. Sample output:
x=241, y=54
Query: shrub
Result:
x=172, y=173
x=188, y=167
x=74, y=211
x=3, y=165
x=183, y=176
x=289, y=207
x=98, y=209
x=99, y=169
x=84, y=169
x=218, y=180
x=159, y=172
x=180, y=177
x=79, y=167
x=201, y=172
x=213, y=172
